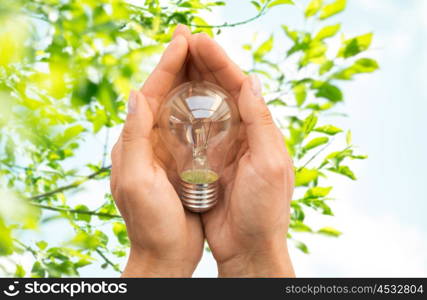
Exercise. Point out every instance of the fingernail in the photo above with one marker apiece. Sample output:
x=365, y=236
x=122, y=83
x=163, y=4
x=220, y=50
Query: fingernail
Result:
x=256, y=86
x=132, y=102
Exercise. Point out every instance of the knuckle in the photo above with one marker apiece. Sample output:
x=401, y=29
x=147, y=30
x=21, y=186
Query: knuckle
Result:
x=115, y=152
x=134, y=185
x=127, y=186
x=265, y=117
x=276, y=167
x=127, y=135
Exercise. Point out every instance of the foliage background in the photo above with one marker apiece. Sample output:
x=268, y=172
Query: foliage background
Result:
x=63, y=100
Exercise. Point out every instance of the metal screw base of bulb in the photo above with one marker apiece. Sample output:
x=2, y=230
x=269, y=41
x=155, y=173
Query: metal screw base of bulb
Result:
x=198, y=198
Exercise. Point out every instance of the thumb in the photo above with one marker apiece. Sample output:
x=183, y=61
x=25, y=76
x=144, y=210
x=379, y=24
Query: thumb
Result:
x=135, y=136
x=263, y=135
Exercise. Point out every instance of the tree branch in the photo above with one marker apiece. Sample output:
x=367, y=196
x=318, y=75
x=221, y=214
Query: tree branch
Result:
x=262, y=12
x=28, y=248
x=105, y=150
x=70, y=186
x=107, y=260
x=70, y=210
x=316, y=154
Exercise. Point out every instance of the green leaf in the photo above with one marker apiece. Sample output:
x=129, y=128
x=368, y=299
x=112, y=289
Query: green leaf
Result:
x=262, y=72
x=264, y=49
x=344, y=170
x=151, y=49
x=180, y=18
x=82, y=217
x=318, y=192
x=119, y=253
x=297, y=212
x=83, y=92
x=332, y=9
x=201, y=22
x=314, y=54
x=58, y=269
x=309, y=123
x=328, y=129
x=85, y=240
x=337, y=157
x=108, y=208
x=101, y=237
x=37, y=270
x=19, y=271
x=328, y=91
x=280, y=2
x=313, y=7
x=98, y=118
x=299, y=226
x=320, y=107
x=82, y=263
x=326, y=210
x=359, y=157
x=348, y=138
x=276, y=102
x=107, y=96
x=69, y=134
x=120, y=232
x=257, y=5
x=247, y=47
x=293, y=35
x=362, y=65
x=327, y=32
x=6, y=243
x=58, y=253
x=316, y=142
x=304, y=176
x=355, y=45
x=329, y=231
x=41, y=244
x=300, y=93
x=326, y=67
x=303, y=247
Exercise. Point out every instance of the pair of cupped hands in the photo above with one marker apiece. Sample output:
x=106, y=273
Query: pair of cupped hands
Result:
x=246, y=231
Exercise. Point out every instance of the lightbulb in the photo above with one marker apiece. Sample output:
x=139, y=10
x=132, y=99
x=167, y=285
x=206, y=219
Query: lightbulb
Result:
x=199, y=123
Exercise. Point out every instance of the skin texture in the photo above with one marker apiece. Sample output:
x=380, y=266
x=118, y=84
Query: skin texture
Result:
x=247, y=230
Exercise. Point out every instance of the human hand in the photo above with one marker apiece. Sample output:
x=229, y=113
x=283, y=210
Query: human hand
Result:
x=247, y=229
x=165, y=239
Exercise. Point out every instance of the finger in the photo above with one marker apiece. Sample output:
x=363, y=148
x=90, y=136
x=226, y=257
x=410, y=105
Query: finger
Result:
x=189, y=69
x=198, y=65
x=182, y=30
x=212, y=58
x=263, y=136
x=136, y=149
x=162, y=79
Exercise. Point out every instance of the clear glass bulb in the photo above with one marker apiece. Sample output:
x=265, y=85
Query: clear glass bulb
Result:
x=199, y=122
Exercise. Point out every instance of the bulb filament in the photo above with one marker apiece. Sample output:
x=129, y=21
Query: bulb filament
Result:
x=201, y=140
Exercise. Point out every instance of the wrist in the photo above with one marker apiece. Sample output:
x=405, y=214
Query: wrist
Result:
x=268, y=261
x=144, y=264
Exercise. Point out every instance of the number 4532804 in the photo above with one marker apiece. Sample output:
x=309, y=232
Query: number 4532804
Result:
x=400, y=289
